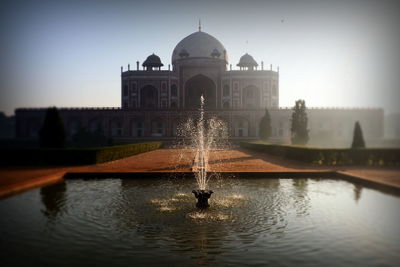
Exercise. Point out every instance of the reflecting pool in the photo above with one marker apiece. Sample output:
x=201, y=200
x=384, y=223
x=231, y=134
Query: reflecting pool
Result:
x=135, y=222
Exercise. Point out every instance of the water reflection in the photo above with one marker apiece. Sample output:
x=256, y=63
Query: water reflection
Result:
x=300, y=197
x=300, y=184
x=264, y=222
x=357, y=191
x=165, y=212
x=53, y=198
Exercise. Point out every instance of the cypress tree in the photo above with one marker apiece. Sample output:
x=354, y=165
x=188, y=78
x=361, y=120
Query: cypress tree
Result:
x=299, y=124
x=52, y=134
x=265, y=126
x=358, y=139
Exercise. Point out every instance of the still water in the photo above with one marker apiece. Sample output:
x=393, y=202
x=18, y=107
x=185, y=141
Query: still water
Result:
x=134, y=222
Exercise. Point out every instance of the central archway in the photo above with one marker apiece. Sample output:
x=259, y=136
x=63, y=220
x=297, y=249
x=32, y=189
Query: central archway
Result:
x=197, y=86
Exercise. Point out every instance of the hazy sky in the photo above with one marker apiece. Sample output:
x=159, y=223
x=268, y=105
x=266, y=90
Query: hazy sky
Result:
x=69, y=53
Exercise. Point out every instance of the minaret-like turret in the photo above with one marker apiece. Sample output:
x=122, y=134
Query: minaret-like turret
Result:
x=152, y=61
x=247, y=62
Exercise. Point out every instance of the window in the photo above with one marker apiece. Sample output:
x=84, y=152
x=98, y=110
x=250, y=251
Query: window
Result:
x=173, y=105
x=225, y=105
x=226, y=90
x=174, y=90
x=274, y=90
x=137, y=128
x=116, y=128
x=119, y=129
x=157, y=128
x=241, y=128
x=125, y=90
x=133, y=89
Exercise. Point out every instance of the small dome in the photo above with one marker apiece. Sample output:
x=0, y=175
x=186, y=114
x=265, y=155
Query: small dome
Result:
x=152, y=61
x=247, y=61
x=183, y=53
x=215, y=53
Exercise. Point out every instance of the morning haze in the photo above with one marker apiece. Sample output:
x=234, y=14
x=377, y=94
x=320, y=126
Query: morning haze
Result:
x=199, y=133
x=69, y=53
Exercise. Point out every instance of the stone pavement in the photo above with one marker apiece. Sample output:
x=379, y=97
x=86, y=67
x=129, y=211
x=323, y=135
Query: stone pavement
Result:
x=17, y=179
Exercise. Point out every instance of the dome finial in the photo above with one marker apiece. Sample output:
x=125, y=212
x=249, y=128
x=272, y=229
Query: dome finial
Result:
x=199, y=25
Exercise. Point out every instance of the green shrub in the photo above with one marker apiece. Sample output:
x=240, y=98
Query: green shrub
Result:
x=299, y=122
x=358, y=139
x=72, y=156
x=334, y=156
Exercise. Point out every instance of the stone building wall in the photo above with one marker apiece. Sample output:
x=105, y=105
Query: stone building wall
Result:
x=328, y=127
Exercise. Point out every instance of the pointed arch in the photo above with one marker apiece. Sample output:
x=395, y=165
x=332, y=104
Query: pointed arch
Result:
x=149, y=97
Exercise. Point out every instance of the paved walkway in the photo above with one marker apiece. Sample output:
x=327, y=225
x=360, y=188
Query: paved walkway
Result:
x=16, y=179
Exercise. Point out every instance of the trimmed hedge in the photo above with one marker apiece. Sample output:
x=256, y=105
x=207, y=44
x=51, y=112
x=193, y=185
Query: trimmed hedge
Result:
x=334, y=156
x=72, y=156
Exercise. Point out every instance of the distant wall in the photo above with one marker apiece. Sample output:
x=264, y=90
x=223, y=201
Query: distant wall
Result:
x=328, y=127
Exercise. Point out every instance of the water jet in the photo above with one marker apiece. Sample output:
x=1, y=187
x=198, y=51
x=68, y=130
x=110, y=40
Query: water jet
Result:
x=203, y=139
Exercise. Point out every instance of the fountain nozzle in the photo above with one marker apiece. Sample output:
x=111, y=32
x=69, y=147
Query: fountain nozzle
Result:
x=202, y=197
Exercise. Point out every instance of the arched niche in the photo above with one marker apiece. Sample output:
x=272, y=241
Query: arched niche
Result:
x=95, y=125
x=241, y=127
x=149, y=97
x=73, y=125
x=157, y=127
x=251, y=97
x=137, y=127
x=116, y=127
x=226, y=105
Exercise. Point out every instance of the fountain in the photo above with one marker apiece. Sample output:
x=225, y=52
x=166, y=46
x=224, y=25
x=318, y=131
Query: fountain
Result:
x=204, y=136
x=200, y=162
x=202, y=198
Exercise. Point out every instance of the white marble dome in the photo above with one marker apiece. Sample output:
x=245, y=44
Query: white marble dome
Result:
x=199, y=45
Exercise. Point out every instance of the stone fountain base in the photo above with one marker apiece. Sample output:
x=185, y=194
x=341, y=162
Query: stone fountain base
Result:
x=202, y=198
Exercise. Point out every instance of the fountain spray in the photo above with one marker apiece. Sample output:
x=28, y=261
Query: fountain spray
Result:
x=203, y=135
x=201, y=160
